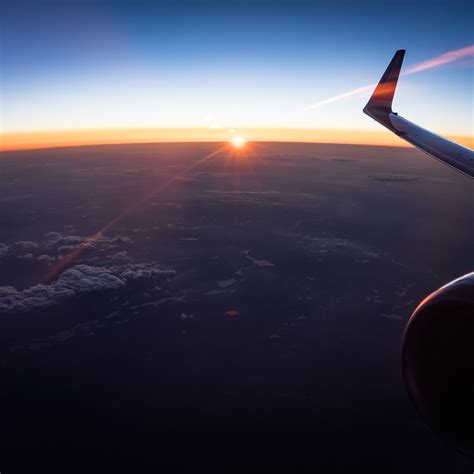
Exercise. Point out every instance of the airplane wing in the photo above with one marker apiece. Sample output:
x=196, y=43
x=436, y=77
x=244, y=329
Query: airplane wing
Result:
x=379, y=108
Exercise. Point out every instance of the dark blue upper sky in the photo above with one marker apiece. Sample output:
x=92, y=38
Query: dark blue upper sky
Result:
x=88, y=64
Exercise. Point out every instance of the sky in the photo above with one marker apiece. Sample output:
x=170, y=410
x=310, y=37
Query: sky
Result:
x=221, y=65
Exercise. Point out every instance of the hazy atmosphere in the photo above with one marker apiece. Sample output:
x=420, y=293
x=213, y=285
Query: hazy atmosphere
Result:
x=215, y=66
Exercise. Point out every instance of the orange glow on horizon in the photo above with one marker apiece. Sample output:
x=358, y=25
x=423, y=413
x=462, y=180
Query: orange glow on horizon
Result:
x=37, y=140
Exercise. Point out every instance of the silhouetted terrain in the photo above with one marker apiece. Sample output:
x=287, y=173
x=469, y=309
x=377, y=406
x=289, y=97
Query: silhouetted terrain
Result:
x=244, y=311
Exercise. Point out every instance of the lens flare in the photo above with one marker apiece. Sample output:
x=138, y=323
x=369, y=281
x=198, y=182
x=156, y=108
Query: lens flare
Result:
x=70, y=258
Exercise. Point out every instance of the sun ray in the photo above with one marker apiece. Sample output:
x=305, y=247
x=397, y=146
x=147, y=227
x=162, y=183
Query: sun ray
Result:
x=75, y=254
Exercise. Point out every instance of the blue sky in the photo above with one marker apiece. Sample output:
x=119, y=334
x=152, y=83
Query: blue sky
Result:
x=78, y=65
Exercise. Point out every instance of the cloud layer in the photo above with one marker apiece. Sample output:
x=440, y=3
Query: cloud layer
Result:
x=84, y=277
x=77, y=280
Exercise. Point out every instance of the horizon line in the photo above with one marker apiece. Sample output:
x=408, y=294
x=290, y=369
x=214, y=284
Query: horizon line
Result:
x=16, y=141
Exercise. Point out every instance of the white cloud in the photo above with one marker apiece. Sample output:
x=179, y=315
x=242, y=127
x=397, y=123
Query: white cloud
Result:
x=85, y=279
x=3, y=249
x=45, y=258
x=55, y=244
x=26, y=244
x=134, y=271
x=75, y=281
x=259, y=263
x=114, y=271
x=119, y=256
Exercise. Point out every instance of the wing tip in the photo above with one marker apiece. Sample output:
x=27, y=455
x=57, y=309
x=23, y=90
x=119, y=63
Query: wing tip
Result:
x=382, y=97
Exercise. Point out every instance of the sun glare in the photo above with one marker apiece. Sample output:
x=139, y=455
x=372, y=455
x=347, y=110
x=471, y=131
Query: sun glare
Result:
x=238, y=142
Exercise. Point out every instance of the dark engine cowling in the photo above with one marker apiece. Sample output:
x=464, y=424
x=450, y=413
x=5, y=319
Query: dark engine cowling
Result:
x=438, y=361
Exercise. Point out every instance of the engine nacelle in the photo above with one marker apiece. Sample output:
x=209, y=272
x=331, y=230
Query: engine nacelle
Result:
x=438, y=361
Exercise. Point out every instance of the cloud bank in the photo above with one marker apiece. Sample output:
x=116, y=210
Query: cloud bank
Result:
x=82, y=278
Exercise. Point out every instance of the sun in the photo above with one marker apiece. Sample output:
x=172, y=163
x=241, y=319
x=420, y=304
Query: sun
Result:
x=238, y=141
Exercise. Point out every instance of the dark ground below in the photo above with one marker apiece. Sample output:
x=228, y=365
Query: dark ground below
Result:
x=241, y=313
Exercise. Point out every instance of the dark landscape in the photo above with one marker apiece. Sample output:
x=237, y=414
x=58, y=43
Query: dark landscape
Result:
x=166, y=306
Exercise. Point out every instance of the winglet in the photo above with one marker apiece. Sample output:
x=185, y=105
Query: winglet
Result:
x=379, y=108
x=382, y=97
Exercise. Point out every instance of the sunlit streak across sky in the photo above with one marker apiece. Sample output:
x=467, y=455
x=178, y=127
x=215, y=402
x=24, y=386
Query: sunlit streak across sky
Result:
x=441, y=60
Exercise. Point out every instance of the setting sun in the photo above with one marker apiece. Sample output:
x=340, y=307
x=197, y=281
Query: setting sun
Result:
x=238, y=142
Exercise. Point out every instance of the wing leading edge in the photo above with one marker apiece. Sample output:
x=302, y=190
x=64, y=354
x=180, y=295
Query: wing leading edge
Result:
x=379, y=108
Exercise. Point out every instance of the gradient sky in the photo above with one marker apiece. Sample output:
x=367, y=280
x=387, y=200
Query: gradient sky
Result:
x=95, y=64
